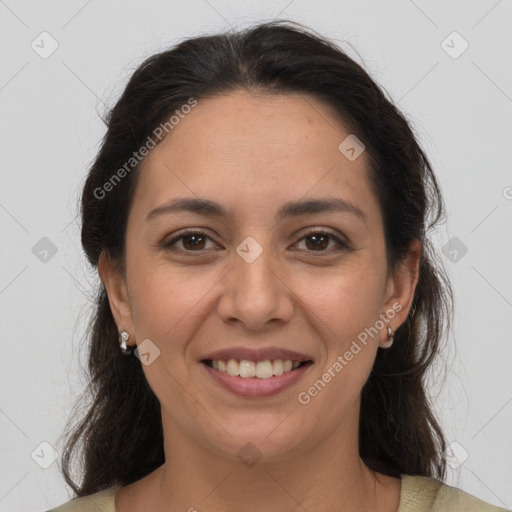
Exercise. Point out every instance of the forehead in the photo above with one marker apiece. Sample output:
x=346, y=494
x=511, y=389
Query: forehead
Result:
x=251, y=151
x=244, y=128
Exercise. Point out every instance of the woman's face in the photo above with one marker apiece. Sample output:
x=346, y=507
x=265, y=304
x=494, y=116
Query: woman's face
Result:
x=263, y=275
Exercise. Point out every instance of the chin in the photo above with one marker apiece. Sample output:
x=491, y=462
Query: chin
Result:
x=267, y=440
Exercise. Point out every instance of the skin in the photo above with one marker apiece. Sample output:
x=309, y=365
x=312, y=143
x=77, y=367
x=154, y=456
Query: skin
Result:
x=251, y=153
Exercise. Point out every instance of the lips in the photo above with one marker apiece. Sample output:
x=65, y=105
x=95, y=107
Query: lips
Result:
x=256, y=372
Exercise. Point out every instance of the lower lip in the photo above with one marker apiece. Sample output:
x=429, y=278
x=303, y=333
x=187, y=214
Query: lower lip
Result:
x=255, y=387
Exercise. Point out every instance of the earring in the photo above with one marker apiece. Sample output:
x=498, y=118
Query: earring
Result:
x=389, y=342
x=123, y=338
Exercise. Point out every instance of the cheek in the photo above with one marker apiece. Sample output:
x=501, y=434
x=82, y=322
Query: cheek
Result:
x=347, y=307
x=163, y=299
x=343, y=307
x=165, y=309
x=345, y=301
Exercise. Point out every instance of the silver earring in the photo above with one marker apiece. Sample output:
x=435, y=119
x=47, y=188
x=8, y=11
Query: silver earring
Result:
x=389, y=342
x=123, y=338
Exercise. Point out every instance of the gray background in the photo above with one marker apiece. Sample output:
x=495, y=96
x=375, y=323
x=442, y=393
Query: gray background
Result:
x=459, y=105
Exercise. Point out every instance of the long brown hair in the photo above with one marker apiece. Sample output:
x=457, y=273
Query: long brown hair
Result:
x=119, y=440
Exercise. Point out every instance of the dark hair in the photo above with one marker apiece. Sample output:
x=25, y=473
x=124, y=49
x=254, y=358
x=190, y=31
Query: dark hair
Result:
x=121, y=437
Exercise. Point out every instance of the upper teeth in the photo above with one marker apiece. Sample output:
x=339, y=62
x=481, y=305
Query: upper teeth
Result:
x=261, y=369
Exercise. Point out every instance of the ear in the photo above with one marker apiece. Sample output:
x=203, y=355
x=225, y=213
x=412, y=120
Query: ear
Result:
x=402, y=283
x=115, y=284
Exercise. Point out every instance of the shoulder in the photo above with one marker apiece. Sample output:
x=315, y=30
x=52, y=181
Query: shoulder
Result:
x=424, y=494
x=102, y=501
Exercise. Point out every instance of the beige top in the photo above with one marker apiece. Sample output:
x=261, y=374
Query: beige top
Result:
x=417, y=494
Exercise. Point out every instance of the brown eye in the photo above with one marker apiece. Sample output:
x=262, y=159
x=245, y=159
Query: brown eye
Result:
x=193, y=241
x=318, y=241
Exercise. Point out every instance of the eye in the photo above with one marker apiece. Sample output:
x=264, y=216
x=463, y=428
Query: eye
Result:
x=191, y=241
x=318, y=241
x=315, y=241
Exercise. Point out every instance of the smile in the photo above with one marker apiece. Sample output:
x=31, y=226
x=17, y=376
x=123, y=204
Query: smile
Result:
x=252, y=379
x=249, y=369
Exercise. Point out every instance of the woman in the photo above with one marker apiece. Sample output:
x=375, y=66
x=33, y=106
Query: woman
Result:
x=259, y=216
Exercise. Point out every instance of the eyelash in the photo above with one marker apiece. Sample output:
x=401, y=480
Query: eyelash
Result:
x=341, y=245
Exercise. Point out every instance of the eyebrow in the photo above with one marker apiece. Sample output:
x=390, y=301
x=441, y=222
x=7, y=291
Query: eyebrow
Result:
x=210, y=208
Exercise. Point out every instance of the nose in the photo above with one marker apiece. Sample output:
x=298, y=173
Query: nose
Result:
x=255, y=294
